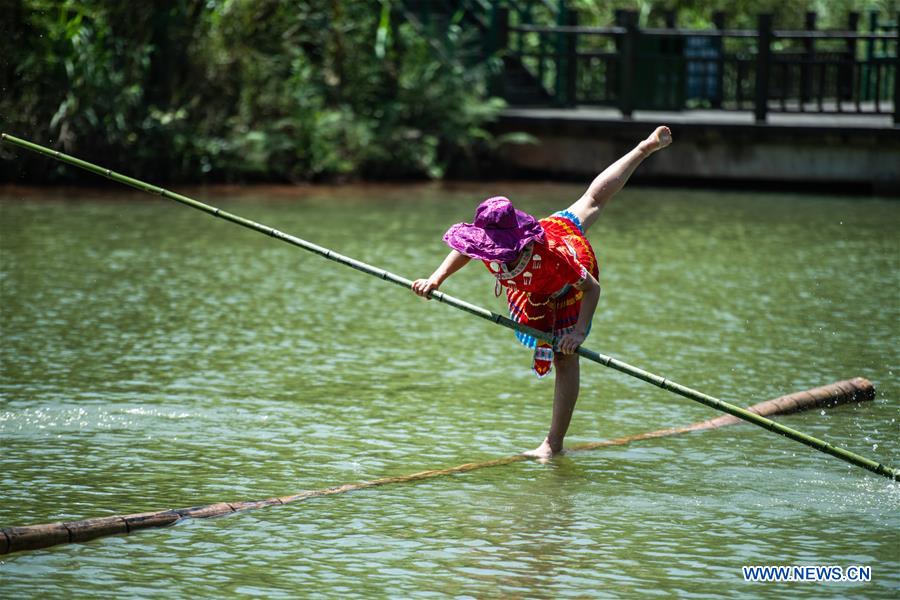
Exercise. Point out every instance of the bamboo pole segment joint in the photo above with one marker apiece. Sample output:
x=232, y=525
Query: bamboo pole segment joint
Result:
x=83, y=531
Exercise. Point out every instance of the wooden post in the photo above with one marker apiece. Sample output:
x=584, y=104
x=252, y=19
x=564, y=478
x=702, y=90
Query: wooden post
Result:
x=628, y=62
x=763, y=58
x=719, y=22
x=572, y=60
x=809, y=46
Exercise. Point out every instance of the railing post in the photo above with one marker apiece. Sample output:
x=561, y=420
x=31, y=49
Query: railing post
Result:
x=490, y=43
x=670, y=17
x=719, y=22
x=674, y=72
x=561, y=70
x=502, y=29
x=897, y=71
x=718, y=19
x=852, y=25
x=809, y=47
x=866, y=92
x=847, y=79
x=629, y=19
x=572, y=60
x=498, y=40
x=524, y=17
x=763, y=58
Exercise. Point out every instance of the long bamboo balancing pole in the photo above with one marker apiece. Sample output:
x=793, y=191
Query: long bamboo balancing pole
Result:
x=33, y=537
x=597, y=357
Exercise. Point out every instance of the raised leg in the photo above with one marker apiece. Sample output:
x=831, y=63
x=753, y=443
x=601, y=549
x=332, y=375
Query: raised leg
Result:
x=564, y=397
x=606, y=184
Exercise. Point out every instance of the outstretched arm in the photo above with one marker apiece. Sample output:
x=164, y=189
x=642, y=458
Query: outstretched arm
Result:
x=606, y=184
x=453, y=263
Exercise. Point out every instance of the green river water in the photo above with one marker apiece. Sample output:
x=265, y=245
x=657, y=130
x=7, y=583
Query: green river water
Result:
x=153, y=357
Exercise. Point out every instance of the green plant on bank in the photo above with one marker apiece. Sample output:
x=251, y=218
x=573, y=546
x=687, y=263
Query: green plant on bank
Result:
x=740, y=14
x=240, y=90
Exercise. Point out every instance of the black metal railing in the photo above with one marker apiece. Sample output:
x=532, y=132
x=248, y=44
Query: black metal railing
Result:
x=763, y=70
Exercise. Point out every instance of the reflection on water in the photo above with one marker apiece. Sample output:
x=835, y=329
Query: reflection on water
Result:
x=153, y=357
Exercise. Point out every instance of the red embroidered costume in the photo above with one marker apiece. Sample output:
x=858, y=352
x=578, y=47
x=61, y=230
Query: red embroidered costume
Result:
x=540, y=284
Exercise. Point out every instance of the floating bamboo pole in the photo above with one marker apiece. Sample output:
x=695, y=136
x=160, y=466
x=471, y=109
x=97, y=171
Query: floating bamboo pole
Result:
x=608, y=361
x=33, y=537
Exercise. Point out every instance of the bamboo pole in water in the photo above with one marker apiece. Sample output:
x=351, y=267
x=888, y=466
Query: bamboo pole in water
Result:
x=608, y=361
x=33, y=537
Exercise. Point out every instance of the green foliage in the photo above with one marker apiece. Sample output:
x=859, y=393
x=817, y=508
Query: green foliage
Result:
x=742, y=14
x=240, y=89
x=237, y=90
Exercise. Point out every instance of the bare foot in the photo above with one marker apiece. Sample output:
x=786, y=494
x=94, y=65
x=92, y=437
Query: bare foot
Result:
x=659, y=139
x=543, y=452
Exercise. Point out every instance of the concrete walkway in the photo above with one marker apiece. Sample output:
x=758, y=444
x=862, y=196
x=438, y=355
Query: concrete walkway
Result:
x=856, y=153
x=593, y=114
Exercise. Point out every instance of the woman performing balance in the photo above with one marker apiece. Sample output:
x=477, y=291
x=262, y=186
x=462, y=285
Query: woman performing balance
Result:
x=550, y=274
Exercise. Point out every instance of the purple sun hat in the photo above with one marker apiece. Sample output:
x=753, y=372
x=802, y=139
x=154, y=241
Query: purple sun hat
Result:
x=499, y=232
